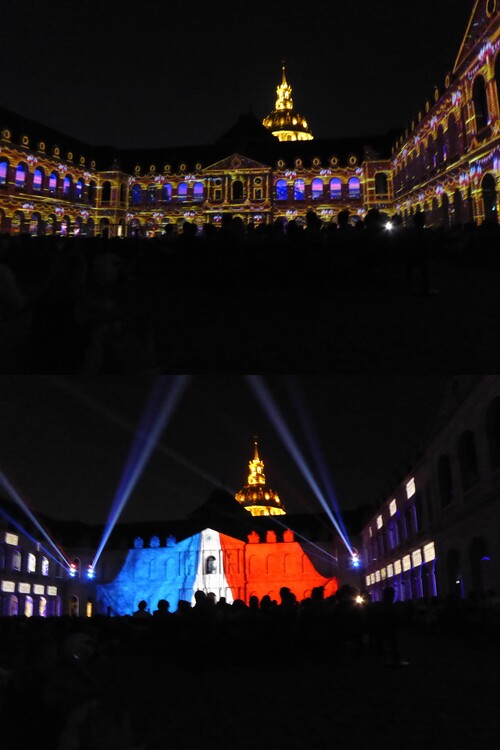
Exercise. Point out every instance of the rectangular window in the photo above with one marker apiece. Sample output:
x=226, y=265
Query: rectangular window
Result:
x=390, y=570
x=397, y=567
x=52, y=590
x=380, y=522
x=258, y=194
x=393, y=507
x=377, y=576
x=217, y=195
x=429, y=552
x=367, y=580
x=372, y=578
x=410, y=488
x=11, y=539
x=406, y=562
x=8, y=586
x=24, y=588
x=416, y=558
x=38, y=589
x=383, y=574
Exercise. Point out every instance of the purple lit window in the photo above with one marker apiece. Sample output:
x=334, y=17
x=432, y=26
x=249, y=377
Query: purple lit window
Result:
x=335, y=188
x=20, y=175
x=354, y=187
x=166, y=194
x=66, y=185
x=182, y=191
x=281, y=190
x=299, y=190
x=37, y=179
x=79, y=189
x=4, y=167
x=136, y=194
x=198, y=191
x=53, y=182
x=317, y=189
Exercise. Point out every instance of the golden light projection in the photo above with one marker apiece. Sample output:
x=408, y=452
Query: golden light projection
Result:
x=256, y=496
x=284, y=122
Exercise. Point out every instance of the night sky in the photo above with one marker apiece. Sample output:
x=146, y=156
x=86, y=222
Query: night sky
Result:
x=150, y=74
x=63, y=443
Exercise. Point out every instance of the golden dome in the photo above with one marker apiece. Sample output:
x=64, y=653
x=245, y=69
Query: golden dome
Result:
x=284, y=122
x=256, y=496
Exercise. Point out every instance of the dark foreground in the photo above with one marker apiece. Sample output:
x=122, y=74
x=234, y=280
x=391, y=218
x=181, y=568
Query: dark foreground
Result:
x=262, y=684
x=359, y=302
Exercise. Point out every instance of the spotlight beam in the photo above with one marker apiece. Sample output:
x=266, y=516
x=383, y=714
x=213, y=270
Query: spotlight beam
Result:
x=130, y=428
x=314, y=445
x=157, y=414
x=270, y=407
x=21, y=528
x=12, y=492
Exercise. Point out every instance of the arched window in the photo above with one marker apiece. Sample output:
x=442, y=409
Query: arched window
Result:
x=31, y=563
x=20, y=178
x=452, y=136
x=237, y=190
x=123, y=192
x=335, y=188
x=440, y=145
x=44, y=566
x=445, y=481
x=92, y=193
x=16, y=560
x=13, y=606
x=4, y=171
x=136, y=194
x=281, y=190
x=28, y=606
x=79, y=189
x=489, y=191
x=493, y=433
x=381, y=183
x=151, y=194
x=354, y=187
x=317, y=189
x=198, y=191
x=182, y=191
x=38, y=179
x=299, y=190
x=67, y=183
x=480, y=103
x=106, y=192
x=166, y=193
x=42, y=607
x=211, y=565
x=53, y=183
x=467, y=458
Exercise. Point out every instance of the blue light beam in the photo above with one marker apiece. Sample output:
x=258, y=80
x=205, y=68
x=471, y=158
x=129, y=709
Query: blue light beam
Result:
x=270, y=407
x=21, y=528
x=158, y=411
x=15, y=496
x=315, y=448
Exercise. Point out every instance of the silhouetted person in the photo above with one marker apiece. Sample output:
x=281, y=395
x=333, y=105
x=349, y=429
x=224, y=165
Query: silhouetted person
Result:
x=162, y=613
x=386, y=627
x=142, y=613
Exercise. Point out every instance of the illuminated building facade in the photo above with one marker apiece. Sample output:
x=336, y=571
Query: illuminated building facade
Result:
x=446, y=164
x=438, y=532
x=256, y=496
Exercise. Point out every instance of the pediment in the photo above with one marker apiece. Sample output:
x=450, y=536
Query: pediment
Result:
x=236, y=161
x=483, y=15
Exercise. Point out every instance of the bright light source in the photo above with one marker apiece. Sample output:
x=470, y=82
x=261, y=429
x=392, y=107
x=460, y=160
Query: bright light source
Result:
x=359, y=600
x=389, y=226
x=72, y=570
x=90, y=572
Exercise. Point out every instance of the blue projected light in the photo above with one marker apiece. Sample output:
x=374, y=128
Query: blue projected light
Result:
x=90, y=572
x=152, y=574
x=159, y=409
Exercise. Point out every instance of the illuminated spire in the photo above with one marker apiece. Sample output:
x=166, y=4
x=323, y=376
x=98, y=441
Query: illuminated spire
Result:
x=284, y=92
x=284, y=122
x=256, y=497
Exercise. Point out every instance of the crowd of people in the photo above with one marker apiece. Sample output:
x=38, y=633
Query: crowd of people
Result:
x=72, y=298
x=73, y=672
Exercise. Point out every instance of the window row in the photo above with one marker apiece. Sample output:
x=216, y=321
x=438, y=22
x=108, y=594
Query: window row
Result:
x=334, y=189
x=28, y=562
x=51, y=182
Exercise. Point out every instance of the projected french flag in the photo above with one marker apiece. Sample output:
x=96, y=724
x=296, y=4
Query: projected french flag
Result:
x=212, y=562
